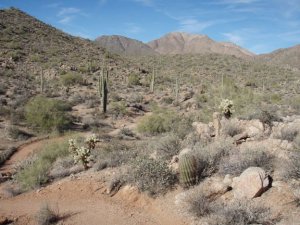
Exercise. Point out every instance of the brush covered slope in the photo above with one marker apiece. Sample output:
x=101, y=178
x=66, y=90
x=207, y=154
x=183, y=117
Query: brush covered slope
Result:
x=124, y=45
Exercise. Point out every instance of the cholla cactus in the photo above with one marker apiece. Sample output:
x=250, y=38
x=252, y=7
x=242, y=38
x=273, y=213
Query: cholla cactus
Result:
x=91, y=141
x=226, y=107
x=83, y=154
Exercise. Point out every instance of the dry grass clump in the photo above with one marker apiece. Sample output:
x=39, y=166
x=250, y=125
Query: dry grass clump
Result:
x=47, y=216
x=238, y=161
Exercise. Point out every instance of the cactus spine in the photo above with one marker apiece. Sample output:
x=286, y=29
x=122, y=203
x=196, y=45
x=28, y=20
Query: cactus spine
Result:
x=187, y=170
x=103, y=88
x=152, y=80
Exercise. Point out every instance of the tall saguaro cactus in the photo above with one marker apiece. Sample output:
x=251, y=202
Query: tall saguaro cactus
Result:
x=103, y=88
x=152, y=80
x=176, y=89
x=42, y=81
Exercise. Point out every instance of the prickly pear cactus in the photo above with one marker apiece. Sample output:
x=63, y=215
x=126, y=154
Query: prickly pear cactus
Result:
x=187, y=170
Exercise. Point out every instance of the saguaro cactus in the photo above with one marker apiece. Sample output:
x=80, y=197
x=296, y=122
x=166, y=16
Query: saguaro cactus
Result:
x=187, y=170
x=42, y=81
x=103, y=88
x=152, y=80
x=176, y=89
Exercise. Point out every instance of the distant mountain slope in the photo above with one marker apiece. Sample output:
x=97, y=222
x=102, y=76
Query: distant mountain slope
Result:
x=124, y=46
x=185, y=43
x=286, y=56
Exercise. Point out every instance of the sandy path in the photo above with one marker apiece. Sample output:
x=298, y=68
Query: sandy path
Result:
x=83, y=199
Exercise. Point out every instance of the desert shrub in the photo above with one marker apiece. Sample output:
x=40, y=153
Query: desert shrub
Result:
x=289, y=133
x=152, y=176
x=159, y=121
x=242, y=213
x=297, y=141
x=231, y=128
x=71, y=78
x=6, y=154
x=238, y=161
x=112, y=155
x=133, y=79
x=290, y=169
x=199, y=204
x=265, y=116
x=209, y=156
x=166, y=146
x=47, y=216
x=167, y=100
x=3, y=89
x=118, y=109
x=15, y=133
x=63, y=167
x=35, y=173
x=203, y=206
x=46, y=114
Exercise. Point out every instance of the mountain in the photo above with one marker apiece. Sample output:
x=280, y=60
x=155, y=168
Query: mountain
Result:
x=286, y=56
x=124, y=46
x=185, y=43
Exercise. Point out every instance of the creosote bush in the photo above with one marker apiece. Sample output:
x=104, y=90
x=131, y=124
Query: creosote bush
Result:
x=133, y=79
x=46, y=114
x=152, y=176
x=160, y=121
x=71, y=78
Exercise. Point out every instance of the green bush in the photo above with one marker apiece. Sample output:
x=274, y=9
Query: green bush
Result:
x=71, y=78
x=35, y=173
x=46, y=114
x=159, y=121
x=133, y=79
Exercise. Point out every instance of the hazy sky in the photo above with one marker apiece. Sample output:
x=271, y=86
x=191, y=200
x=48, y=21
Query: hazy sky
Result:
x=258, y=25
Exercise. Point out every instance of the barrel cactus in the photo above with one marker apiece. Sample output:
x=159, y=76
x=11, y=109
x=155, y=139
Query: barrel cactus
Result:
x=187, y=170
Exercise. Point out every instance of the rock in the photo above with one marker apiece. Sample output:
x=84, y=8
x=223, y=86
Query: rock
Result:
x=251, y=183
x=202, y=129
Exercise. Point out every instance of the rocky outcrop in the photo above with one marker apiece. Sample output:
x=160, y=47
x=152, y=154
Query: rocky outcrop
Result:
x=253, y=182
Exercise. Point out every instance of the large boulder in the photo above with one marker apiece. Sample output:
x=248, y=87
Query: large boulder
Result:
x=251, y=183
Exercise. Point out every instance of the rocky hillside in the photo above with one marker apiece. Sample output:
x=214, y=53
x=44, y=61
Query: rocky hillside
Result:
x=124, y=46
x=185, y=43
x=287, y=56
x=30, y=48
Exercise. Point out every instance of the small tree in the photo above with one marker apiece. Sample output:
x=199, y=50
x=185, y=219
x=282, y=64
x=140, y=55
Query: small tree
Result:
x=46, y=114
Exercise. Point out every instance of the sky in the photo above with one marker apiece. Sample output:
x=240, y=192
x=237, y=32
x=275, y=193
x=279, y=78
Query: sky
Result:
x=260, y=26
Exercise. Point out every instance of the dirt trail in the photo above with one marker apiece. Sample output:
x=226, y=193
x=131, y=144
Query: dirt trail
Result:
x=24, y=151
x=82, y=199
